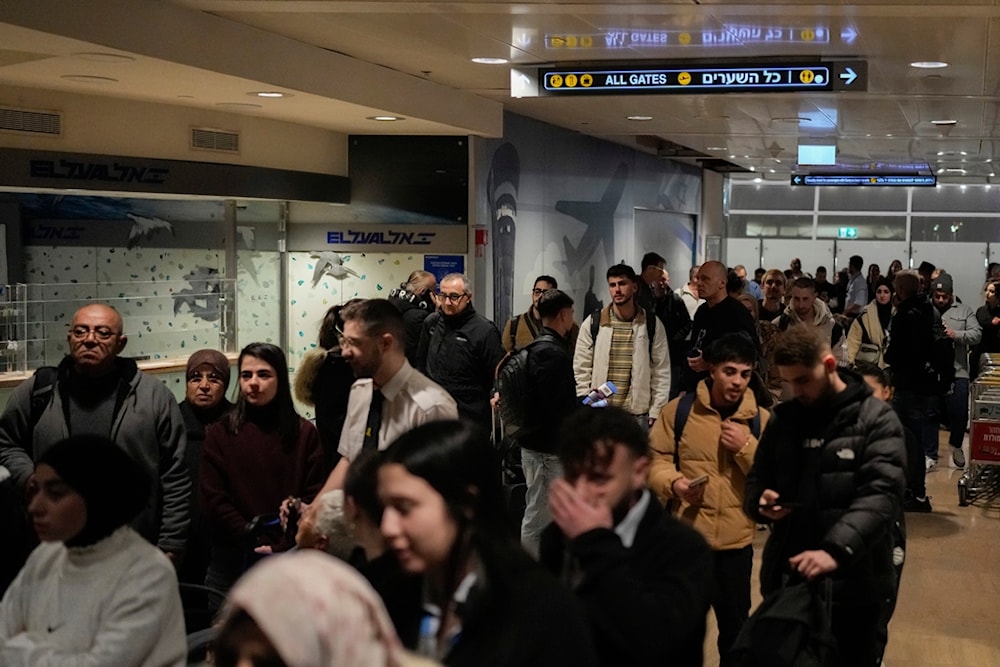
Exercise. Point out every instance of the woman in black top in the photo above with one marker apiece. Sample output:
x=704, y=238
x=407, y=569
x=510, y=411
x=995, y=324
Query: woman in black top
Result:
x=485, y=602
x=989, y=319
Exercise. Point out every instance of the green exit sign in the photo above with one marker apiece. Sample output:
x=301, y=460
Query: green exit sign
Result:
x=847, y=232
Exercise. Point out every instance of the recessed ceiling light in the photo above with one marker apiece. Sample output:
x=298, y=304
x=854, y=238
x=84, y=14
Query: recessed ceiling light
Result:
x=753, y=169
x=99, y=57
x=715, y=148
x=929, y=64
x=87, y=78
x=954, y=170
x=269, y=93
x=944, y=122
x=732, y=157
x=490, y=61
x=385, y=119
x=757, y=180
x=238, y=105
x=639, y=117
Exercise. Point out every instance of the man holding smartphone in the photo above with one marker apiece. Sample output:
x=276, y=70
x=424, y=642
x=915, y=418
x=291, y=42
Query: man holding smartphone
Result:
x=829, y=475
x=702, y=447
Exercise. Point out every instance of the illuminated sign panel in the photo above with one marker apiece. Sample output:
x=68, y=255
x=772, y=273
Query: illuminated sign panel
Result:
x=864, y=179
x=704, y=78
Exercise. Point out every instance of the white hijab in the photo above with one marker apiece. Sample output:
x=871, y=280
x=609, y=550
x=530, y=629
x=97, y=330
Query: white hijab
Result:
x=318, y=612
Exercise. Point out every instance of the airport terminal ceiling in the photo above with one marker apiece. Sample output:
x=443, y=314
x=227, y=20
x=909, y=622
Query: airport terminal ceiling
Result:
x=342, y=63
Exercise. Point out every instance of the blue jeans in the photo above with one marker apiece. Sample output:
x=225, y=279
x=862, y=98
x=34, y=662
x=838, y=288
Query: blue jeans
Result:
x=957, y=407
x=540, y=470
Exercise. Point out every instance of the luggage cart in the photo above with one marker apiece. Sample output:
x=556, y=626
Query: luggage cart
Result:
x=981, y=479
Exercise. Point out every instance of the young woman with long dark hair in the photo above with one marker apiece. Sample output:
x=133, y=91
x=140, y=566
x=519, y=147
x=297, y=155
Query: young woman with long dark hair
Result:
x=259, y=454
x=485, y=601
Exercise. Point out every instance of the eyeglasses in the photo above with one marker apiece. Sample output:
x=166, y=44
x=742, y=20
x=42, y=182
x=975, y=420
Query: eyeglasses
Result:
x=454, y=298
x=347, y=340
x=100, y=333
x=538, y=291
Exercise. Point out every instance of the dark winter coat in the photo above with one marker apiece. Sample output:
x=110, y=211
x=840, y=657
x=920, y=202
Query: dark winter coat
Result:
x=414, y=310
x=461, y=352
x=911, y=339
x=843, y=463
x=646, y=604
x=551, y=394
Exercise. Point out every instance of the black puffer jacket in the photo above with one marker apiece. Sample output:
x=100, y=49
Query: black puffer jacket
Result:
x=551, y=391
x=461, y=352
x=843, y=462
x=911, y=340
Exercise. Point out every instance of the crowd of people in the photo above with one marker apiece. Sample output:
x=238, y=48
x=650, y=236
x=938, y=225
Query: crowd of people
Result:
x=652, y=440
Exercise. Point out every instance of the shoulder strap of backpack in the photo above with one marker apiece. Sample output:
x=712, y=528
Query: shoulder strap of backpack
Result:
x=43, y=385
x=865, y=337
x=514, y=321
x=684, y=405
x=595, y=325
x=755, y=425
x=650, y=330
x=783, y=321
x=531, y=325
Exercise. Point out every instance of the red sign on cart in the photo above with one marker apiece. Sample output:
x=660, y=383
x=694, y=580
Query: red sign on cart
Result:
x=984, y=441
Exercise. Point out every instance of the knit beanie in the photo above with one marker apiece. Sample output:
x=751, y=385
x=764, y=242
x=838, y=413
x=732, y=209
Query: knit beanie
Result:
x=218, y=361
x=113, y=486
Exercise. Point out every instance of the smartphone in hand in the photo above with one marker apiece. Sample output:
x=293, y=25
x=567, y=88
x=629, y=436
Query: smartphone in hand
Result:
x=698, y=481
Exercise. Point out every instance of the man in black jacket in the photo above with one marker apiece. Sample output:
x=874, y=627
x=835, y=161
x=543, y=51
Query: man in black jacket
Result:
x=829, y=474
x=656, y=296
x=911, y=341
x=414, y=300
x=460, y=349
x=551, y=397
x=644, y=578
x=720, y=314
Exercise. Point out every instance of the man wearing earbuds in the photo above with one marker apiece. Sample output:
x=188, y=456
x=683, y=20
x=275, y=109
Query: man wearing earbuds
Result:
x=93, y=391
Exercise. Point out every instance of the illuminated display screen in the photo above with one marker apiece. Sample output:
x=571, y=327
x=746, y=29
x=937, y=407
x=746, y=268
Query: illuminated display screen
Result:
x=703, y=78
x=863, y=179
x=729, y=35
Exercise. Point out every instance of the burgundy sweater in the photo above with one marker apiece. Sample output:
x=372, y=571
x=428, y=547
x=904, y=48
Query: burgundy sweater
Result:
x=251, y=473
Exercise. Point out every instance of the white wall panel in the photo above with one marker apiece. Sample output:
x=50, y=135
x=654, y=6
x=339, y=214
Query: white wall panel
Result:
x=966, y=262
x=778, y=254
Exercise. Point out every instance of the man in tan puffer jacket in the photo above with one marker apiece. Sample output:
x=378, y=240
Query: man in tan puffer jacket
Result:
x=716, y=444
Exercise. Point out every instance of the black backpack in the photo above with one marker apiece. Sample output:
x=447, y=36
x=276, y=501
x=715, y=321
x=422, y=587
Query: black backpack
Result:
x=514, y=387
x=790, y=628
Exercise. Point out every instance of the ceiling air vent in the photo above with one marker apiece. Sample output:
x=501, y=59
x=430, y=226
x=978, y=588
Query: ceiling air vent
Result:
x=30, y=122
x=206, y=138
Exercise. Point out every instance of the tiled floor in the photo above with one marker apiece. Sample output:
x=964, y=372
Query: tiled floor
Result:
x=948, y=612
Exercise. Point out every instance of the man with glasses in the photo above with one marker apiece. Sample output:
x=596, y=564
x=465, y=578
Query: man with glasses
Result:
x=524, y=328
x=390, y=397
x=95, y=392
x=460, y=349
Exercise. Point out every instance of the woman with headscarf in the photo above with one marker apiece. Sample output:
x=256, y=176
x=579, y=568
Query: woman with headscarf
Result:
x=260, y=453
x=874, y=276
x=93, y=592
x=866, y=339
x=204, y=404
x=307, y=609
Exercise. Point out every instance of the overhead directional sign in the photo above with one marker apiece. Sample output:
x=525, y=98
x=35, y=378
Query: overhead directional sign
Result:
x=864, y=179
x=653, y=79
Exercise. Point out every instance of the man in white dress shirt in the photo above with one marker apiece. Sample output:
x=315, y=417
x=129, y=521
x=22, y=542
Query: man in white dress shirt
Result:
x=390, y=397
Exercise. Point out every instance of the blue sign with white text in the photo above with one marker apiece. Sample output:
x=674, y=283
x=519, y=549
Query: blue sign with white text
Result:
x=442, y=265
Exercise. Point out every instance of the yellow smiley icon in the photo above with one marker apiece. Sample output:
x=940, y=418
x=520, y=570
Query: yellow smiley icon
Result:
x=571, y=41
x=587, y=41
x=684, y=38
x=571, y=80
x=684, y=78
x=556, y=80
x=586, y=80
x=806, y=76
x=808, y=35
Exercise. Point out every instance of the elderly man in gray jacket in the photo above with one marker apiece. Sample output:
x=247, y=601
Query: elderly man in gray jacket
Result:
x=960, y=324
x=92, y=391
